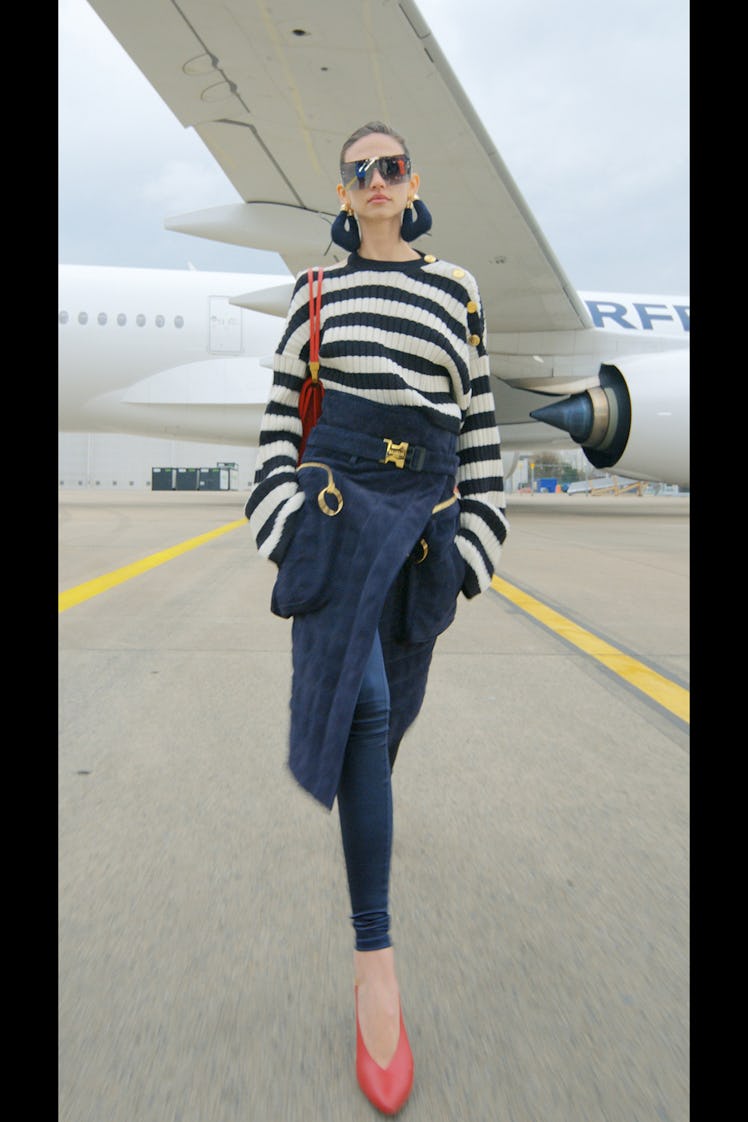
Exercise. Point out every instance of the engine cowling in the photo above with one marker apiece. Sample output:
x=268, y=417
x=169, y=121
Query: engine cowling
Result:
x=636, y=420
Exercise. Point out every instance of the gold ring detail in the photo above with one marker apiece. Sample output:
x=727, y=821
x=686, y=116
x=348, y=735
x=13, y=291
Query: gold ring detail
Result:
x=445, y=504
x=424, y=551
x=328, y=489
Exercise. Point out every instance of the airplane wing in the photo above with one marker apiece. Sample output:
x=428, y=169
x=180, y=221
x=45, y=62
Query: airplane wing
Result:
x=273, y=88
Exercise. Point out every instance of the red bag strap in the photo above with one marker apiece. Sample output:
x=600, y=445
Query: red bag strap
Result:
x=315, y=305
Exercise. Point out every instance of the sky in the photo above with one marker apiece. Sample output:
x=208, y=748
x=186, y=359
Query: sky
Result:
x=587, y=103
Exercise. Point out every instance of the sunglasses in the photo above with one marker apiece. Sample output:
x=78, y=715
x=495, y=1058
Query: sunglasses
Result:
x=393, y=169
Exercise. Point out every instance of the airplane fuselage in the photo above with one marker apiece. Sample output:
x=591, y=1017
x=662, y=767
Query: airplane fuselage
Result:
x=166, y=353
x=154, y=352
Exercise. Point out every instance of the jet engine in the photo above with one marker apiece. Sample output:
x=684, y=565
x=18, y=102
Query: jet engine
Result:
x=635, y=421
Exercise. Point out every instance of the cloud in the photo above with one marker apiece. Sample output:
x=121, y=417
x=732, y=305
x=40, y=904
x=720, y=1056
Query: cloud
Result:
x=183, y=185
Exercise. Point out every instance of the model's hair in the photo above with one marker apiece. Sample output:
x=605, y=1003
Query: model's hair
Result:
x=367, y=130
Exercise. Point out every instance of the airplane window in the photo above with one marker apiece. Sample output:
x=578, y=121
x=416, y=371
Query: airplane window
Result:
x=122, y=319
x=140, y=319
x=63, y=317
x=178, y=321
x=82, y=317
x=160, y=321
x=101, y=318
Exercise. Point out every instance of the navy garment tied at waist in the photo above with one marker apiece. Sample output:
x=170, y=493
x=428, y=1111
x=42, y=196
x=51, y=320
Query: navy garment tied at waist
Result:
x=338, y=571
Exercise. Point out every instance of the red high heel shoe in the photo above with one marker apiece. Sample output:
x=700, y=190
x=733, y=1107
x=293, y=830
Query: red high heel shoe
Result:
x=387, y=1088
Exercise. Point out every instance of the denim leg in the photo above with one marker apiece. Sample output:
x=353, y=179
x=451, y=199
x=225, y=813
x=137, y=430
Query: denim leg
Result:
x=365, y=808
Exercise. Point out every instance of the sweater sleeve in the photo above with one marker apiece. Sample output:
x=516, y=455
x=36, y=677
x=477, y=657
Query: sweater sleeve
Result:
x=275, y=496
x=480, y=476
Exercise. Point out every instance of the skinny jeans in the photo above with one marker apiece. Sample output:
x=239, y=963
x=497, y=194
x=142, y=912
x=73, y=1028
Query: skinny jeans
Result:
x=365, y=807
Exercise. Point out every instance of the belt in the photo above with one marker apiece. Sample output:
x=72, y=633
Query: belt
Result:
x=384, y=450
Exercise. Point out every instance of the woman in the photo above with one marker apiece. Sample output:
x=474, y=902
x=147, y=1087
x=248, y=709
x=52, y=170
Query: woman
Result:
x=396, y=507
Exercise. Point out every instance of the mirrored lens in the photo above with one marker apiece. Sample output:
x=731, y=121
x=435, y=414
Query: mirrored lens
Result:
x=393, y=169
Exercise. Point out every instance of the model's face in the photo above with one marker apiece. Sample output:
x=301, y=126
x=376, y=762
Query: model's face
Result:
x=378, y=190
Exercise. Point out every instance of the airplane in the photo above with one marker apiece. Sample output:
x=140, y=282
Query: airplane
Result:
x=188, y=354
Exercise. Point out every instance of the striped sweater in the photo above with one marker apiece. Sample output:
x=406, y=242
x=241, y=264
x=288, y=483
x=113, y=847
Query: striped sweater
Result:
x=398, y=333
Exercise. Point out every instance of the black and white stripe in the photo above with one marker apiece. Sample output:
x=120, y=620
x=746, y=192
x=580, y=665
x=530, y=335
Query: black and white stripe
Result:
x=397, y=333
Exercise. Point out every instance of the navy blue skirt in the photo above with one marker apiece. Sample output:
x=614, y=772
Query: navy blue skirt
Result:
x=372, y=548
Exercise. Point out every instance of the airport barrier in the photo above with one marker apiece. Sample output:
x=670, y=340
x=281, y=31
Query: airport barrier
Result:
x=163, y=479
x=222, y=477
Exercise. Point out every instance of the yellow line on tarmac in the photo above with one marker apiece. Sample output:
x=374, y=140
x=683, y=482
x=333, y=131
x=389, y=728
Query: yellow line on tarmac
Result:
x=672, y=697
x=91, y=588
x=666, y=693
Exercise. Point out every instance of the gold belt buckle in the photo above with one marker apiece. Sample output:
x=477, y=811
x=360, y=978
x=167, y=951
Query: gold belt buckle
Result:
x=395, y=453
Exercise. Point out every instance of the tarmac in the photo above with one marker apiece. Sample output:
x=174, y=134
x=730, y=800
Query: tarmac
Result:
x=540, y=875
